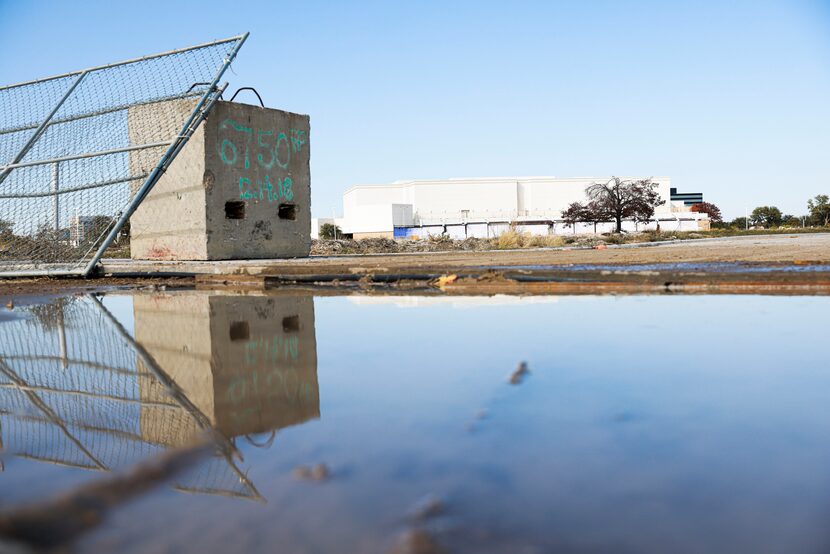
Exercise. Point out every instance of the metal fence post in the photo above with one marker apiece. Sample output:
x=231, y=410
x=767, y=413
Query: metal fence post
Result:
x=196, y=116
x=56, y=172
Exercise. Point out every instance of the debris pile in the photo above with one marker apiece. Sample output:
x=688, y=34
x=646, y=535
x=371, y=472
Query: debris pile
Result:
x=389, y=246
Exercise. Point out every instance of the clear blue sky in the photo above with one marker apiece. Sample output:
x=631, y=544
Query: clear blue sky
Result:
x=728, y=98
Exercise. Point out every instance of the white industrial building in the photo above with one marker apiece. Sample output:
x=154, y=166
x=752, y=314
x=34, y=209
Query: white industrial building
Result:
x=486, y=207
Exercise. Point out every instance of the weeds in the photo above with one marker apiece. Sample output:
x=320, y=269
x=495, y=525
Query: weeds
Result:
x=508, y=240
x=544, y=241
x=614, y=238
x=512, y=239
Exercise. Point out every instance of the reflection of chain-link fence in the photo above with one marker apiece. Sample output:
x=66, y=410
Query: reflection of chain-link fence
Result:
x=67, y=178
x=76, y=390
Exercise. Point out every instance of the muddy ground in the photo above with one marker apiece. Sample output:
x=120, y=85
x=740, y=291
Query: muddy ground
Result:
x=787, y=263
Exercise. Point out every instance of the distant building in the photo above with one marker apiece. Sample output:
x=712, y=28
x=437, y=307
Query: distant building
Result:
x=79, y=229
x=486, y=207
x=687, y=198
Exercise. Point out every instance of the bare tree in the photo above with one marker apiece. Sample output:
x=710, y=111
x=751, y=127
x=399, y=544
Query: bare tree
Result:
x=596, y=212
x=573, y=214
x=621, y=199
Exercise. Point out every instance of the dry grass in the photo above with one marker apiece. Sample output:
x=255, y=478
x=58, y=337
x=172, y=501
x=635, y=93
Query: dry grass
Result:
x=507, y=240
x=513, y=239
x=544, y=241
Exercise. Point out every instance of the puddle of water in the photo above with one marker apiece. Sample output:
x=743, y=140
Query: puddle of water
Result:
x=341, y=424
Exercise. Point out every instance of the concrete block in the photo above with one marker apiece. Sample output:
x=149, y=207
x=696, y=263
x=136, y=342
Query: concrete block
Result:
x=240, y=188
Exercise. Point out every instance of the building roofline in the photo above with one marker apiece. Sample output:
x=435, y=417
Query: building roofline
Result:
x=478, y=180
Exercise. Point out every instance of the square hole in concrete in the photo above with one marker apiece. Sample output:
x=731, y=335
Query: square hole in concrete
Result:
x=235, y=210
x=291, y=324
x=240, y=331
x=287, y=211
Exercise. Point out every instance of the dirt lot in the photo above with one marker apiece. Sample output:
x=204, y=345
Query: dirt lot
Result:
x=541, y=270
x=768, y=248
x=806, y=248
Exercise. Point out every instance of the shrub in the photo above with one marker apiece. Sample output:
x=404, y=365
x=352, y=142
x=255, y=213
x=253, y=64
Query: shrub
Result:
x=543, y=241
x=329, y=231
x=508, y=240
x=511, y=239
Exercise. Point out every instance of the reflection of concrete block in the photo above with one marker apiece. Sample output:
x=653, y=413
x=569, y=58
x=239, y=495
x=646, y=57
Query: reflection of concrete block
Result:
x=240, y=188
x=249, y=364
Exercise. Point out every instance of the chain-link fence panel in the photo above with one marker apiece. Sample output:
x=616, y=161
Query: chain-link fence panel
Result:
x=78, y=152
x=75, y=390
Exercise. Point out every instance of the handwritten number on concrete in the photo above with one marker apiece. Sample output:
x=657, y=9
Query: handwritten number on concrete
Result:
x=278, y=153
x=271, y=157
x=282, y=140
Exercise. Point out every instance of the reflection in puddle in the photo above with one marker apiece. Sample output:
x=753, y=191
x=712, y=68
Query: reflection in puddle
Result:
x=242, y=365
x=77, y=390
x=489, y=424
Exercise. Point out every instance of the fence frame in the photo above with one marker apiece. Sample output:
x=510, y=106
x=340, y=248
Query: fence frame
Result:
x=197, y=115
x=224, y=448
